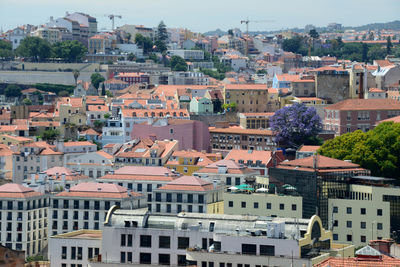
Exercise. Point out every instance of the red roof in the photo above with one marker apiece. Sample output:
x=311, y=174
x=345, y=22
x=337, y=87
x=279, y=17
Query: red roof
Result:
x=79, y=143
x=97, y=190
x=246, y=87
x=188, y=183
x=144, y=170
x=366, y=104
x=253, y=155
x=240, y=130
x=17, y=191
x=385, y=261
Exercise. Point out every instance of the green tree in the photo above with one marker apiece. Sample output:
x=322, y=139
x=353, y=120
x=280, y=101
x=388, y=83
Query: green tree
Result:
x=98, y=124
x=292, y=45
x=131, y=57
x=313, y=34
x=107, y=116
x=389, y=45
x=376, y=52
x=96, y=79
x=377, y=150
x=103, y=89
x=27, y=102
x=76, y=74
x=35, y=48
x=12, y=90
x=160, y=46
x=109, y=94
x=128, y=37
x=50, y=135
x=230, y=32
x=161, y=37
x=63, y=93
x=178, y=64
x=144, y=42
x=70, y=51
x=5, y=49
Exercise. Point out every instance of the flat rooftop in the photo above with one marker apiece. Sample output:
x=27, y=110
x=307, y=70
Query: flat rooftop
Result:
x=81, y=234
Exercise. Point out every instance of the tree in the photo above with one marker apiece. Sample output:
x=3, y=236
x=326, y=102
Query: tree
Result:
x=103, y=90
x=376, y=52
x=35, y=48
x=107, y=116
x=230, y=32
x=131, y=57
x=377, y=150
x=109, y=94
x=70, y=51
x=389, y=45
x=12, y=90
x=161, y=38
x=27, y=102
x=128, y=37
x=160, y=46
x=5, y=49
x=144, y=42
x=96, y=79
x=313, y=34
x=63, y=93
x=76, y=74
x=292, y=45
x=50, y=135
x=178, y=64
x=295, y=125
x=98, y=124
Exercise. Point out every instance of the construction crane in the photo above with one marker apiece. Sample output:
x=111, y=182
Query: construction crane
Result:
x=247, y=21
x=112, y=17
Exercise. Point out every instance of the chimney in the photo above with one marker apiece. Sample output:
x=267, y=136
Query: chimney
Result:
x=361, y=86
x=33, y=178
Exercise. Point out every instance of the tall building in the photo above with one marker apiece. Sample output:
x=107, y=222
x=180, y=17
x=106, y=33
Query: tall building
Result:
x=23, y=218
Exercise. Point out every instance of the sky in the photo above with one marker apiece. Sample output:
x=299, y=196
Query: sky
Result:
x=205, y=15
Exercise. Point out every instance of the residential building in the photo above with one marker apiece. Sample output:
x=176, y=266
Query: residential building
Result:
x=250, y=97
x=11, y=140
x=387, y=76
x=90, y=135
x=85, y=20
x=73, y=149
x=316, y=179
x=23, y=218
x=256, y=159
x=190, y=134
x=188, y=193
x=145, y=153
x=209, y=239
x=34, y=158
x=85, y=206
x=306, y=151
x=93, y=164
x=97, y=113
x=52, y=35
x=187, y=54
x=115, y=85
x=376, y=93
x=235, y=137
x=102, y=43
x=201, y=105
x=77, y=247
x=133, y=78
x=359, y=114
x=188, y=161
x=332, y=83
x=263, y=204
x=10, y=257
x=113, y=132
x=227, y=172
x=259, y=120
x=15, y=36
x=6, y=162
x=235, y=62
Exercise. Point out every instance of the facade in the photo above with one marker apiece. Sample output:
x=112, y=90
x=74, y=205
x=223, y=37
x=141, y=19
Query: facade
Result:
x=263, y=204
x=34, y=158
x=255, y=120
x=93, y=164
x=85, y=20
x=115, y=85
x=376, y=93
x=227, y=172
x=133, y=78
x=359, y=114
x=250, y=97
x=190, y=134
x=188, y=193
x=187, y=54
x=15, y=36
x=201, y=105
x=306, y=151
x=77, y=247
x=23, y=219
x=137, y=237
x=85, y=206
x=101, y=43
x=52, y=35
x=235, y=137
x=332, y=84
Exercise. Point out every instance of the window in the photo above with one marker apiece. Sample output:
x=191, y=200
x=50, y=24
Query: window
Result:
x=64, y=253
x=164, y=242
x=294, y=207
x=79, y=253
x=349, y=238
x=363, y=238
x=123, y=257
x=335, y=237
x=169, y=208
x=237, y=181
x=230, y=204
x=268, y=206
x=281, y=206
x=163, y=259
x=255, y=204
x=129, y=257
x=183, y=242
x=249, y=249
x=139, y=187
x=267, y=250
x=123, y=240
x=149, y=188
x=228, y=181
x=145, y=258
x=201, y=209
x=181, y=260
x=379, y=226
x=145, y=241
x=201, y=198
x=190, y=198
x=348, y=224
x=129, y=240
x=73, y=253
x=158, y=196
x=243, y=204
x=179, y=197
x=379, y=212
x=363, y=225
x=363, y=211
x=335, y=209
x=348, y=210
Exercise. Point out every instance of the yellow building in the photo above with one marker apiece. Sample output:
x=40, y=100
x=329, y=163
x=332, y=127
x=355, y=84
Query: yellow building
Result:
x=251, y=97
x=6, y=162
x=188, y=162
x=10, y=140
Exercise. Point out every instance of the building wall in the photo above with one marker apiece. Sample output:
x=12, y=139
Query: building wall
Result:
x=258, y=204
x=333, y=88
x=251, y=100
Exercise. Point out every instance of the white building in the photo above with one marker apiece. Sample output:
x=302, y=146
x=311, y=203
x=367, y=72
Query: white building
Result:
x=74, y=248
x=93, y=164
x=139, y=237
x=187, y=54
x=85, y=206
x=23, y=218
x=15, y=36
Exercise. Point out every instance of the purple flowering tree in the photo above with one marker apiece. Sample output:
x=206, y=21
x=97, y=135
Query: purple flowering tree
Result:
x=296, y=125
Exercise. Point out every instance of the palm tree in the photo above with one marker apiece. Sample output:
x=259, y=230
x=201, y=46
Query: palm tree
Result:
x=76, y=74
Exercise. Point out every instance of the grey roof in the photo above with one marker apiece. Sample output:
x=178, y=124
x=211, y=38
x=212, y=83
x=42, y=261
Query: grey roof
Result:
x=368, y=251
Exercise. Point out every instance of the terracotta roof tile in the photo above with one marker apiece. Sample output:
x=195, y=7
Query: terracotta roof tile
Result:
x=17, y=191
x=366, y=104
x=240, y=130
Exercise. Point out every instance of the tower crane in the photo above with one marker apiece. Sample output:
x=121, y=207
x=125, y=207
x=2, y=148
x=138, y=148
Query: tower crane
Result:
x=247, y=21
x=112, y=17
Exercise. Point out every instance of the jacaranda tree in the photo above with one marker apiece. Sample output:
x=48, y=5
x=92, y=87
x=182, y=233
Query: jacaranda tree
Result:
x=296, y=125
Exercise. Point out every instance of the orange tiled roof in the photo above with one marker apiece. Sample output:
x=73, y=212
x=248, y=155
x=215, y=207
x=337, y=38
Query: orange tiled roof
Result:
x=253, y=155
x=78, y=143
x=366, y=104
x=102, y=108
x=97, y=190
x=240, y=130
x=12, y=190
x=245, y=87
x=188, y=183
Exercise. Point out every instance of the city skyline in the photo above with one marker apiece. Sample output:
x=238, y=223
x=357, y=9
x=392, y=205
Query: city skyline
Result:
x=174, y=13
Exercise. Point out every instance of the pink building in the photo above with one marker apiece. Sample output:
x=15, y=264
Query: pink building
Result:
x=190, y=134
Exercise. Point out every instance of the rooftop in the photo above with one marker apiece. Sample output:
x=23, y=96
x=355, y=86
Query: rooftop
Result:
x=81, y=234
x=366, y=104
x=12, y=190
